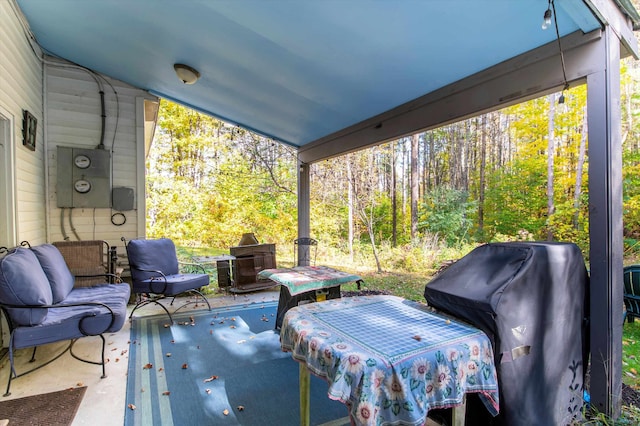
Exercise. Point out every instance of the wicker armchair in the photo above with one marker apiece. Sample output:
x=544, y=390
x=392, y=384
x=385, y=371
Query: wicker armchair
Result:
x=86, y=259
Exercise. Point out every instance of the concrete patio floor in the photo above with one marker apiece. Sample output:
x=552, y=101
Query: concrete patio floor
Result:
x=104, y=401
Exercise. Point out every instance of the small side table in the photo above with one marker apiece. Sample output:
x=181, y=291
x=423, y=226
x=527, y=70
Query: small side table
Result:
x=303, y=284
x=224, y=267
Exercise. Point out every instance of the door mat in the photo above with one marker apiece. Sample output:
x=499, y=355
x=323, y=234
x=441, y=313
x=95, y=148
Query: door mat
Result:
x=48, y=409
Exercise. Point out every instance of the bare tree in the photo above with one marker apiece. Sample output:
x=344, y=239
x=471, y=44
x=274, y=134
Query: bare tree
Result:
x=363, y=188
x=579, y=168
x=482, y=179
x=394, y=198
x=414, y=180
x=550, y=157
x=350, y=203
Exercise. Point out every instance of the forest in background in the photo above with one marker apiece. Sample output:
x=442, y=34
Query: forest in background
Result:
x=409, y=205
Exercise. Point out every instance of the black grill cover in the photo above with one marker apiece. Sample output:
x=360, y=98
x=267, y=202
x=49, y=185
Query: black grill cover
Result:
x=532, y=301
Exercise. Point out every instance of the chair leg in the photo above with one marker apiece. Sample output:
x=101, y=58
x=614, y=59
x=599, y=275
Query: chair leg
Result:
x=12, y=370
x=198, y=293
x=104, y=343
x=203, y=298
x=142, y=303
x=146, y=302
x=102, y=363
x=7, y=393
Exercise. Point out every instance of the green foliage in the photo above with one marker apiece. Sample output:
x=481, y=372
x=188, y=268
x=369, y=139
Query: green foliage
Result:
x=515, y=200
x=632, y=250
x=209, y=182
x=631, y=192
x=202, y=190
x=630, y=417
x=328, y=225
x=412, y=258
x=446, y=212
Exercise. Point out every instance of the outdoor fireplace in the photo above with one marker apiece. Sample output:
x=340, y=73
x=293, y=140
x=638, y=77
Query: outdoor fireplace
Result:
x=249, y=260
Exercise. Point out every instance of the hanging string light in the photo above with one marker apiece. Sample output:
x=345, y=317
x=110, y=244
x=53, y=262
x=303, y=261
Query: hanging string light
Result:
x=548, y=14
x=546, y=21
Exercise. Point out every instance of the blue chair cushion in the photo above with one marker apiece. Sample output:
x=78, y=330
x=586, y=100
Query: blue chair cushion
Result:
x=175, y=284
x=66, y=322
x=151, y=255
x=60, y=278
x=23, y=282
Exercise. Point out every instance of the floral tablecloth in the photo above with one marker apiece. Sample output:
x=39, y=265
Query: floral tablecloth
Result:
x=305, y=278
x=389, y=359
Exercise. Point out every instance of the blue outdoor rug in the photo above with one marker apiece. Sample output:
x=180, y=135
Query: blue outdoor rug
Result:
x=219, y=367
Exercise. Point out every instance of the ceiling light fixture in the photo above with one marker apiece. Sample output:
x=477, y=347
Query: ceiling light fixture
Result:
x=186, y=74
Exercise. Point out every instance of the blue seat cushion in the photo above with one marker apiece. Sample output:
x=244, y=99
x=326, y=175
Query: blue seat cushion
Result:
x=56, y=269
x=151, y=255
x=65, y=323
x=175, y=284
x=23, y=282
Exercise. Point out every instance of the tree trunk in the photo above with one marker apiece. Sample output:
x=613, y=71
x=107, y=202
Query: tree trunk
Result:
x=482, y=183
x=372, y=238
x=394, y=199
x=430, y=163
x=404, y=185
x=350, y=203
x=371, y=220
x=550, y=154
x=414, y=186
x=579, y=167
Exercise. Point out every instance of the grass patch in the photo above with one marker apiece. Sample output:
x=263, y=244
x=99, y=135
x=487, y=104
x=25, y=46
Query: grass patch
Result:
x=631, y=354
x=408, y=286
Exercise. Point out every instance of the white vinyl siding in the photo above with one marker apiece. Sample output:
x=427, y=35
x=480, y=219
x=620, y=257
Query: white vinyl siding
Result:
x=21, y=88
x=74, y=120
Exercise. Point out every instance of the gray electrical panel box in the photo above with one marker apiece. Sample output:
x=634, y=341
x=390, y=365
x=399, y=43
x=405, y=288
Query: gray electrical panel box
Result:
x=84, y=177
x=122, y=198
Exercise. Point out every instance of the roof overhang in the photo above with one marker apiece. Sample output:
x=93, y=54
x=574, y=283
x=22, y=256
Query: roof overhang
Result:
x=315, y=74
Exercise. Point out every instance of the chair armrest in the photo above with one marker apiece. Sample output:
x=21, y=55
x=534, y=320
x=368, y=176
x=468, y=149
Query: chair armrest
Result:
x=161, y=277
x=67, y=305
x=160, y=273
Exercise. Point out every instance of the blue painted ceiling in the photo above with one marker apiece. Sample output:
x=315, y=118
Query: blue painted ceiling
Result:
x=296, y=70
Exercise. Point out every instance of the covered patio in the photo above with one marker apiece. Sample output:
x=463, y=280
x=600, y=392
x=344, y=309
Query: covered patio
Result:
x=327, y=78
